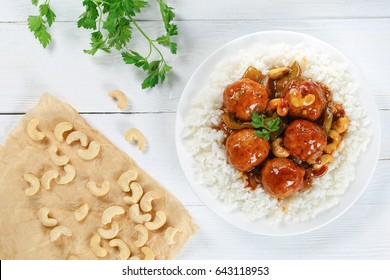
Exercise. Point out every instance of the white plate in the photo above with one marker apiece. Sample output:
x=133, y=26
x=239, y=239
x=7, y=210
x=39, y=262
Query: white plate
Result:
x=365, y=166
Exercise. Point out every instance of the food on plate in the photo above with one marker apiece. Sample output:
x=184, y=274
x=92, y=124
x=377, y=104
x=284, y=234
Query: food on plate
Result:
x=289, y=156
x=294, y=130
x=306, y=98
x=245, y=150
x=305, y=140
x=89, y=207
x=245, y=97
x=281, y=177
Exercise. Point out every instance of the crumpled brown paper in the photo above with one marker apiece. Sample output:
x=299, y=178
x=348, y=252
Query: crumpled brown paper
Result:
x=22, y=236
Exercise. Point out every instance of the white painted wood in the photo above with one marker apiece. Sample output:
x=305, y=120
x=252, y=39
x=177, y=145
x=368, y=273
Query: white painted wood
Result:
x=359, y=29
x=361, y=233
x=84, y=81
x=69, y=10
x=160, y=158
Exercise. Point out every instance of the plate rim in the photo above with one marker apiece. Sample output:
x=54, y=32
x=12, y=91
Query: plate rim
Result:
x=375, y=149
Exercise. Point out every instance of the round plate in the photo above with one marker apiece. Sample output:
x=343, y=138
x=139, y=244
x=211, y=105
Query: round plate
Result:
x=365, y=166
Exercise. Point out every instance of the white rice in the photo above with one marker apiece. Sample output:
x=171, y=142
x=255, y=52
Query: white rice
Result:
x=226, y=183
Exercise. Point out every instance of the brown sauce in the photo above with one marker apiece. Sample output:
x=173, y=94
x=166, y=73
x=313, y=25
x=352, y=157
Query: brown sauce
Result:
x=273, y=88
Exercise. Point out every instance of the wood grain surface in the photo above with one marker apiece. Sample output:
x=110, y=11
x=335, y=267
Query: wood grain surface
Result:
x=359, y=29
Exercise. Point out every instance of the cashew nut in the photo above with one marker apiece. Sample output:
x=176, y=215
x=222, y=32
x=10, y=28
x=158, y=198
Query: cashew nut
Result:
x=278, y=150
x=336, y=140
x=158, y=222
x=126, y=178
x=34, y=184
x=33, y=131
x=120, y=97
x=55, y=158
x=58, y=231
x=341, y=125
x=277, y=73
x=324, y=160
x=143, y=235
x=149, y=254
x=136, y=216
x=61, y=128
x=134, y=258
x=136, y=135
x=124, y=250
x=90, y=153
x=98, y=190
x=81, y=213
x=94, y=243
x=111, y=212
x=297, y=100
x=70, y=173
x=47, y=177
x=146, y=200
x=136, y=193
x=170, y=235
x=109, y=233
x=77, y=136
x=43, y=215
x=280, y=105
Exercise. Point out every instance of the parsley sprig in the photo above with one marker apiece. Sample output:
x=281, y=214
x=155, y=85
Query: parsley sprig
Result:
x=38, y=24
x=265, y=125
x=112, y=23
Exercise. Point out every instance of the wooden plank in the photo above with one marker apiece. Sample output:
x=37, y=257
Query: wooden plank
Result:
x=27, y=69
x=160, y=159
x=361, y=233
x=70, y=10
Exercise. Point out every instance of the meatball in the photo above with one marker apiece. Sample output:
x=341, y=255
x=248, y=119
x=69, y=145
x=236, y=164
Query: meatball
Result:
x=281, y=177
x=305, y=140
x=245, y=97
x=305, y=87
x=245, y=150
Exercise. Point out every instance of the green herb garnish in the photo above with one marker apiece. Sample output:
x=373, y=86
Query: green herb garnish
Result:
x=112, y=23
x=37, y=24
x=265, y=125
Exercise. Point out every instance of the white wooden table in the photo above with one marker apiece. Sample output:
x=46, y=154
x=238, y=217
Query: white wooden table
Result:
x=360, y=29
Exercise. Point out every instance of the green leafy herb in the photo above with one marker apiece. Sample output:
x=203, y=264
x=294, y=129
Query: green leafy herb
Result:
x=113, y=23
x=265, y=125
x=38, y=24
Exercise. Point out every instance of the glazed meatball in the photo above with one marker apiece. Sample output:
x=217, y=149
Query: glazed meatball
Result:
x=245, y=150
x=305, y=140
x=245, y=97
x=304, y=87
x=281, y=177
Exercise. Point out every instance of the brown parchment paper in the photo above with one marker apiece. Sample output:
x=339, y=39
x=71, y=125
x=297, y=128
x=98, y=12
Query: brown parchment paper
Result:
x=22, y=236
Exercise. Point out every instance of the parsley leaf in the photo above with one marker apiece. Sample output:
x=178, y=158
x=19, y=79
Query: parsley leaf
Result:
x=37, y=26
x=264, y=125
x=45, y=10
x=87, y=19
x=97, y=43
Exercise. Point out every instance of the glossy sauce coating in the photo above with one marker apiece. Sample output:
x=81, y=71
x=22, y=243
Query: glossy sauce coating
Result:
x=281, y=177
x=245, y=97
x=245, y=150
x=305, y=140
x=305, y=87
